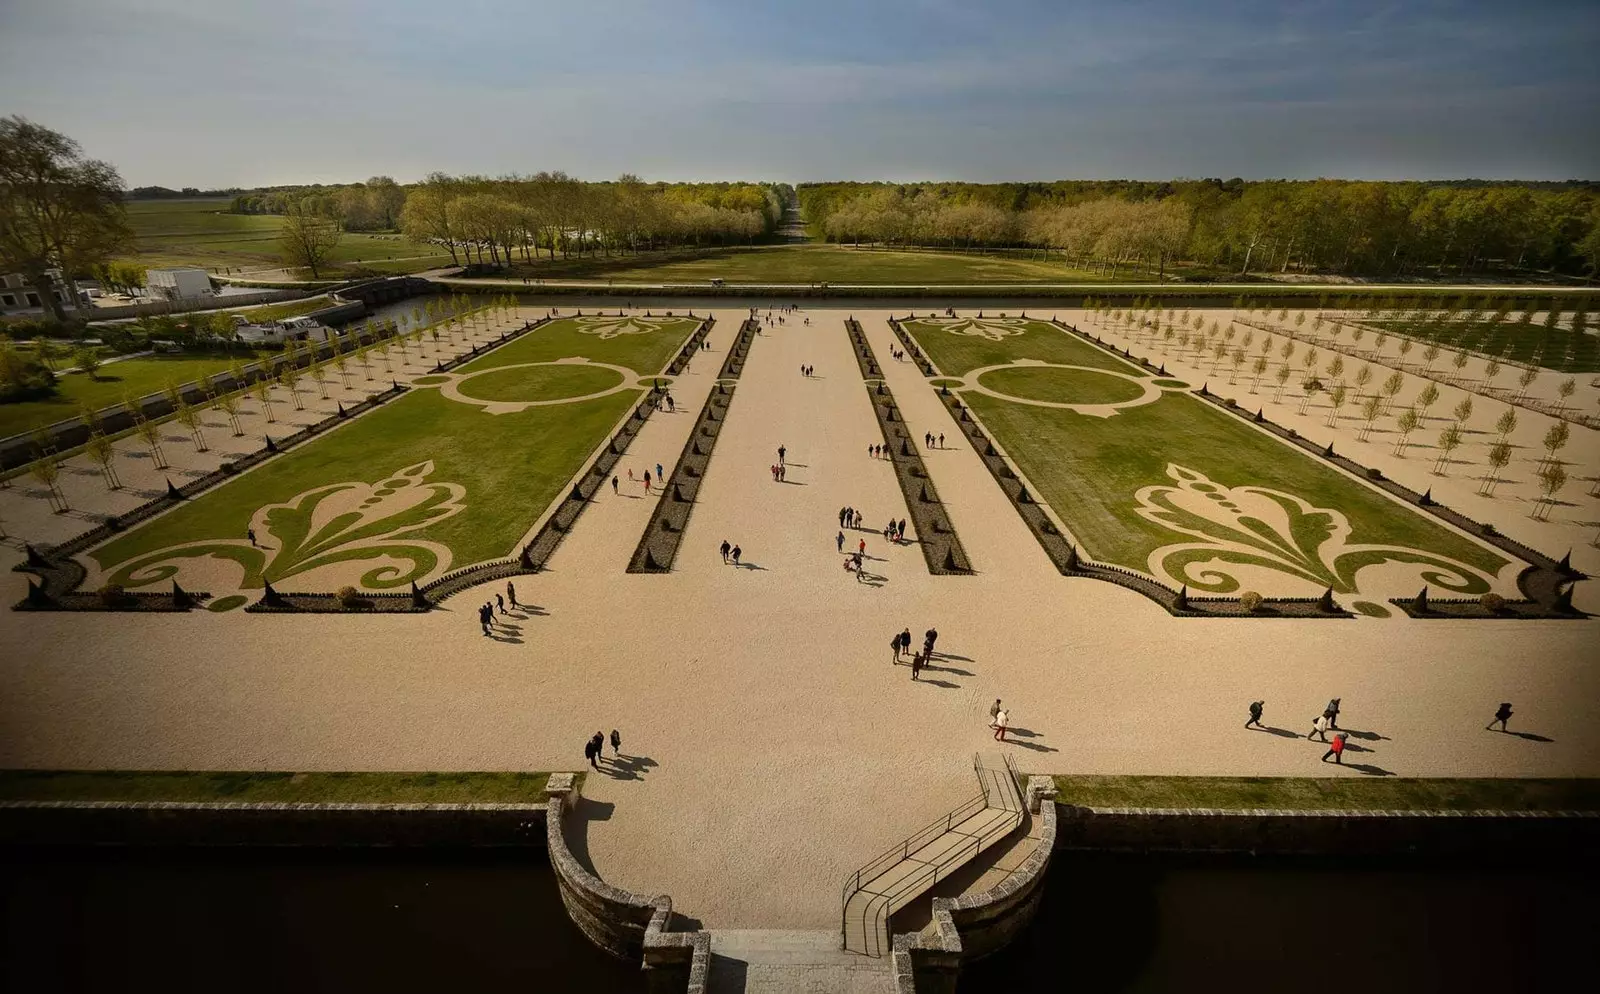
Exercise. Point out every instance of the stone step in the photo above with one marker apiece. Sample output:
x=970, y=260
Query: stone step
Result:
x=778, y=961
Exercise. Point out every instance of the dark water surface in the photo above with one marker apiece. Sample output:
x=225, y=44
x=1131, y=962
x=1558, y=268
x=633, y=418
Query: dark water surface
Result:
x=293, y=920
x=1168, y=922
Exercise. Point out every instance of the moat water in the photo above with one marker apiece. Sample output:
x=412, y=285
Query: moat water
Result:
x=477, y=920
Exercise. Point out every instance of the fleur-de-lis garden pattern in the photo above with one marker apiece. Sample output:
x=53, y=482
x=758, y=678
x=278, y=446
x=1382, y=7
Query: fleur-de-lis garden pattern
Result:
x=1260, y=527
x=341, y=522
x=993, y=329
x=611, y=327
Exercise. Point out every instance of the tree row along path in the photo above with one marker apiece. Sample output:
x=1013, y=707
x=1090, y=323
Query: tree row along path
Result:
x=770, y=745
x=1572, y=523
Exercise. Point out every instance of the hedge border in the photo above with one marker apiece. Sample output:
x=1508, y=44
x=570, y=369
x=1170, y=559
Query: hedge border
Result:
x=916, y=486
x=663, y=534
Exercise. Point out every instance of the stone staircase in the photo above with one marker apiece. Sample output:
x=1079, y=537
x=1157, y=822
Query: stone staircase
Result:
x=759, y=961
x=894, y=879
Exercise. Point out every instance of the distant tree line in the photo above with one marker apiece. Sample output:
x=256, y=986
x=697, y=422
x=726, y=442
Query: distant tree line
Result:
x=371, y=206
x=1323, y=226
x=167, y=193
x=477, y=219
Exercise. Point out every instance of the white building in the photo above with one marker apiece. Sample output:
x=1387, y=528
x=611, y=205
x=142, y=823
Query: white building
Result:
x=179, y=284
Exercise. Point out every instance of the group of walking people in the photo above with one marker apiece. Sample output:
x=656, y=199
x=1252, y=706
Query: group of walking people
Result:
x=1321, y=725
x=807, y=370
x=929, y=437
x=486, y=610
x=594, y=749
x=901, y=644
x=730, y=553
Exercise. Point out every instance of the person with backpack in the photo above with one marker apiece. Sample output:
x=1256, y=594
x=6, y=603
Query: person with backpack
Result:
x=616, y=742
x=1256, y=708
x=1336, y=750
x=1319, y=728
x=916, y=666
x=1331, y=712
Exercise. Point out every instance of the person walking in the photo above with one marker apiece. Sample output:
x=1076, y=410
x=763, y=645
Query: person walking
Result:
x=1502, y=716
x=900, y=529
x=614, y=489
x=511, y=594
x=1331, y=712
x=250, y=533
x=838, y=541
x=483, y=618
x=781, y=452
x=725, y=548
x=916, y=667
x=994, y=710
x=894, y=646
x=1001, y=719
x=616, y=742
x=941, y=440
x=931, y=636
x=660, y=475
x=1336, y=750
x=647, y=481
x=862, y=548
x=1255, y=714
x=588, y=753
x=905, y=640
x=842, y=512
x=1319, y=728
x=736, y=555
x=500, y=602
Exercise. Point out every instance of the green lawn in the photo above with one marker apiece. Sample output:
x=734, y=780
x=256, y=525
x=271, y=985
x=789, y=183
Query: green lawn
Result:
x=136, y=377
x=273, y=788
x=810, y=263
x=1306, y=793
x=1090, y=470
x=1062, y=386
x=200, y=233
x=540, y=383
x=1560, y=349
x=967, y=347
x=510, y=467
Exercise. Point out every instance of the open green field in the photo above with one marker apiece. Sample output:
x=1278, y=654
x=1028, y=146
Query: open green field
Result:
x=965, y=344
x=1307, y=793
x=809, y=263
x=126, y=377
x=198, y=233
x=1559, y=349
x=272, y=788
x=1196, y=496
x=418, y=486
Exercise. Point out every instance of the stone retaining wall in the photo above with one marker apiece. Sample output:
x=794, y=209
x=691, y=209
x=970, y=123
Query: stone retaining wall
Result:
x=624, y=924
x=77, y=823
x=1322, y=832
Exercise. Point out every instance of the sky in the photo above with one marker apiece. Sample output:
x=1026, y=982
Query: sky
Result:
x=220, y=93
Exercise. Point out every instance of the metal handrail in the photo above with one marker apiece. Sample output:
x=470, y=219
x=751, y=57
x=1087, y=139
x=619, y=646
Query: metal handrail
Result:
x=879, y=907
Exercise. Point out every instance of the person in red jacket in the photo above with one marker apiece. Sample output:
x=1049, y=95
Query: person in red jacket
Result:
x=1336, y=750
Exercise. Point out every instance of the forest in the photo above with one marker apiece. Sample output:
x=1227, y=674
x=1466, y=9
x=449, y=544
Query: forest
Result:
x=1345, y=227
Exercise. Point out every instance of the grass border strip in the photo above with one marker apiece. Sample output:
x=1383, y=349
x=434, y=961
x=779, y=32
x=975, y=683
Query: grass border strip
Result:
x=916, y=486
x=663, y=533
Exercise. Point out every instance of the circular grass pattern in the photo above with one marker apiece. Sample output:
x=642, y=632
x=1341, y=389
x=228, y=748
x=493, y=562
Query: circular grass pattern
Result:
x=518, y=384
x=1062, y=386
x=227, y=603
x=428, y=381
x=1171, y=384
